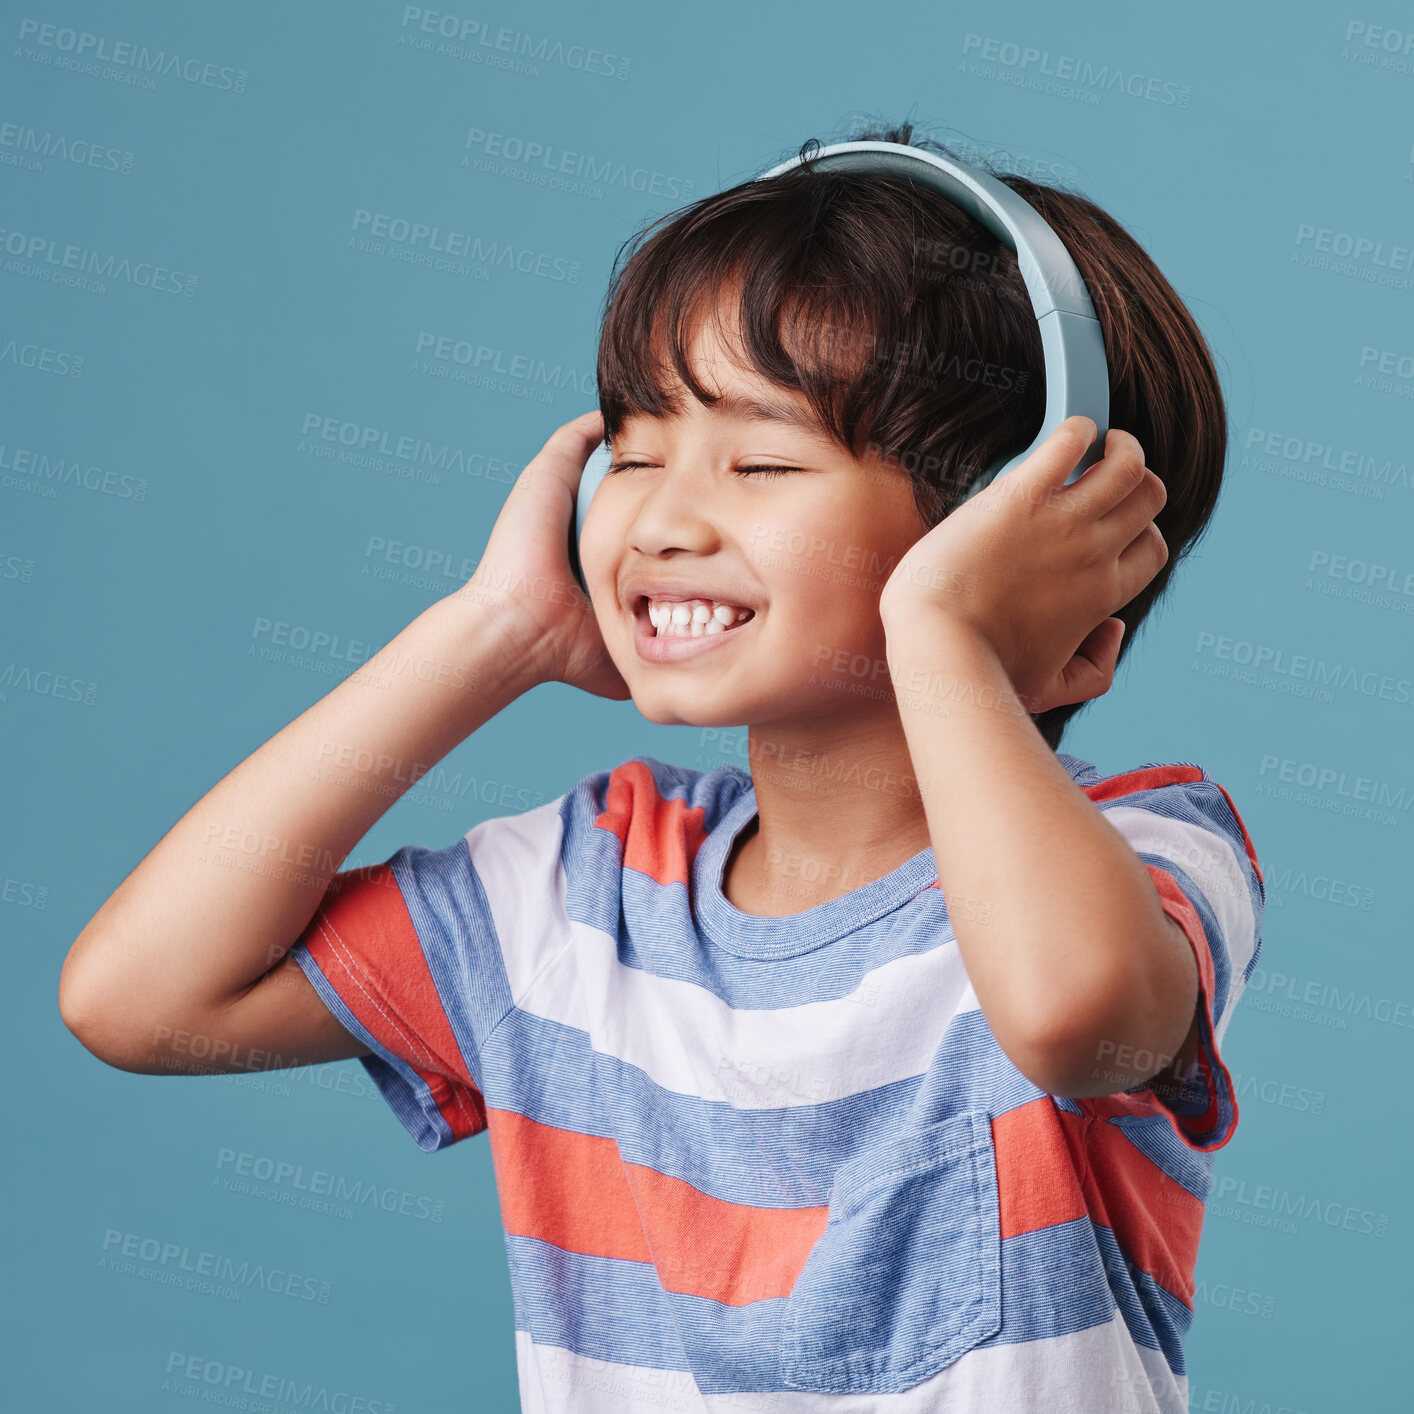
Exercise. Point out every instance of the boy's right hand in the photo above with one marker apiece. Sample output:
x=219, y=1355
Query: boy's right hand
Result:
x=525, y=575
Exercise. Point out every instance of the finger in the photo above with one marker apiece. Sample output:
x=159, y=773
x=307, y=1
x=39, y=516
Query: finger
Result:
x=569, y=446
x=1139, y=508
x=586, y=429
x=1058, y=455
x=1112, y=479
x=1090, y=672
x=1141, y=560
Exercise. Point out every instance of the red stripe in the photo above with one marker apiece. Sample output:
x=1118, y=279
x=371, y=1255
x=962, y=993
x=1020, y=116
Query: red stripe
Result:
x=1038, y=1161
x=1054, y=1166
x=1155, y=1219
x=1144, y=1102
x=660, y=837
x=577, y=1192
x=1145, y=778
x=364, y=941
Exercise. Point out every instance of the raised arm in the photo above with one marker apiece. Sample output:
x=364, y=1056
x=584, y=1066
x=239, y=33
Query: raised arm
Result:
x=180, y=968
x=184, y=968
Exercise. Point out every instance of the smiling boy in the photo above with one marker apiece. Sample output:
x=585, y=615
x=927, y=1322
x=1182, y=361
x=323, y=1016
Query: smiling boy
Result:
x=884, y=1075
x=753, y=463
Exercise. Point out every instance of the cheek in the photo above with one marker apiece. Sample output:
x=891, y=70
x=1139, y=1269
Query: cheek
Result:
x=826, y=623
x=600, y=547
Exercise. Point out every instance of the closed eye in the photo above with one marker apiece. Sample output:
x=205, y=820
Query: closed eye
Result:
x=762, y=470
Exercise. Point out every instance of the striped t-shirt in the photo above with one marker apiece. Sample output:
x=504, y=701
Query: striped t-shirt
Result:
x=780, y=1164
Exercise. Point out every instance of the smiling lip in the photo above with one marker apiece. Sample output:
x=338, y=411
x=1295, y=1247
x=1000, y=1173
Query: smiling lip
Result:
x=653, y=649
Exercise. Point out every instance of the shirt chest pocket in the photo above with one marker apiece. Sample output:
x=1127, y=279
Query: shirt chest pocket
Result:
x=906, y=1276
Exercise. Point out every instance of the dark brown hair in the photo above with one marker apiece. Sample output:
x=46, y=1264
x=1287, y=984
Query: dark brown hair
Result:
x=907, y=326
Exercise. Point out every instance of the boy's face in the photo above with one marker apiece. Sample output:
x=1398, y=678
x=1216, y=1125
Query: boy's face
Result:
x=808, y=551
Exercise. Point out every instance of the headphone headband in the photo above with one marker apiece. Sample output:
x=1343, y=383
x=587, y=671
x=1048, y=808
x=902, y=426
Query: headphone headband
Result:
x=1072, y=345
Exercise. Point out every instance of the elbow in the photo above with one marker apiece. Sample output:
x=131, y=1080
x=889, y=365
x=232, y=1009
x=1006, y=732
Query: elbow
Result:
x=1113, y=1028
x=1071, y=1056
x=72, y=1001
x=90, y=1020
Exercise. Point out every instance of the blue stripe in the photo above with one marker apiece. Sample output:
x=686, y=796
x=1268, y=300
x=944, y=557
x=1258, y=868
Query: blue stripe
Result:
x=783, y=1157
x=452, y=918
x=405, y=1091
x=660, y=917
x=613, y=1309
x=1156, y=1319
x=1153, y=1136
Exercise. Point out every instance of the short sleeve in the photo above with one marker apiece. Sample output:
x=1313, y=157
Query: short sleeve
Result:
x=1186, y=830
x=405, y=955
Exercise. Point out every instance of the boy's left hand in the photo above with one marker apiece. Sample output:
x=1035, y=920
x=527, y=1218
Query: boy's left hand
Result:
x=1037, y=568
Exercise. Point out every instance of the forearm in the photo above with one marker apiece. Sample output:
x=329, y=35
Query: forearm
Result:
x=235, y=881
x=1069, y=947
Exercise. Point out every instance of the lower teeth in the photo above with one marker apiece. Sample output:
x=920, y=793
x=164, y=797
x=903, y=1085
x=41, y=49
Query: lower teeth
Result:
x=712, y=626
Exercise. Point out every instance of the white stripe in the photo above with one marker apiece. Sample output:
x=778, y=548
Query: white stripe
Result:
x=682, y=1036
x=1100, y=1371
x=1210, y=861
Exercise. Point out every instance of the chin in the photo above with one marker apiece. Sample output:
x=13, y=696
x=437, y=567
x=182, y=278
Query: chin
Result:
x=656, y=708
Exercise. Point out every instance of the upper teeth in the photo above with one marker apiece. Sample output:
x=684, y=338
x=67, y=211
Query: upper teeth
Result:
x=693, y=617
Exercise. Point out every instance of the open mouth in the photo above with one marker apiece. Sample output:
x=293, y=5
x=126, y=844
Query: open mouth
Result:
x=689, y=618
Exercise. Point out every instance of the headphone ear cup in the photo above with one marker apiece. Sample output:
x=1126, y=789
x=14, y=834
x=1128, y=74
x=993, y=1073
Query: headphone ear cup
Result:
x=595, y=469
x=576, y=568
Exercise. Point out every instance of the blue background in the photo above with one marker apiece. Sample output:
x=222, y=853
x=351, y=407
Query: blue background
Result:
x=149, y=582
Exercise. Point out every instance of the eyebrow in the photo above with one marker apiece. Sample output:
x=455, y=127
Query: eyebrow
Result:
x=753, y=409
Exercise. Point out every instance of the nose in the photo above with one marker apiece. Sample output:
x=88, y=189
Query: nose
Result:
x=674, y=511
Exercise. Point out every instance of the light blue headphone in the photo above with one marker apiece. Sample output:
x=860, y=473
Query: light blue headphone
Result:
x=1077, y=375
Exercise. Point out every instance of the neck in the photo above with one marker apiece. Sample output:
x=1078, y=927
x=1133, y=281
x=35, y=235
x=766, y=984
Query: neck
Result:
x=831, y=818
